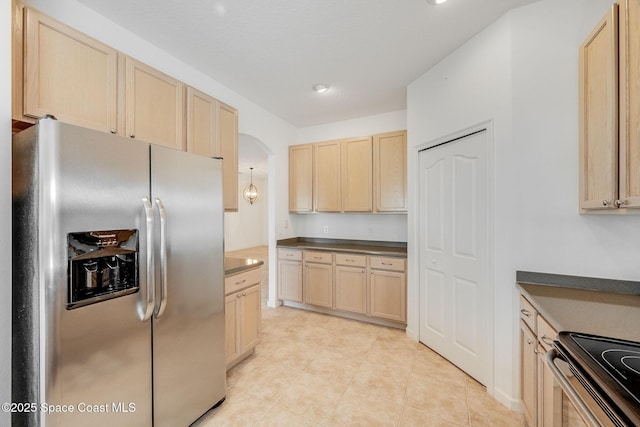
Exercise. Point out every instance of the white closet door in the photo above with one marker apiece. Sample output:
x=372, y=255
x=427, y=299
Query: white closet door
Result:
x=454, y=293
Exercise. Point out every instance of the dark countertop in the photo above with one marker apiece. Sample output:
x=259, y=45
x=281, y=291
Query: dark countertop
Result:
x=369, y=247
x=234, y=265
x=590, y=306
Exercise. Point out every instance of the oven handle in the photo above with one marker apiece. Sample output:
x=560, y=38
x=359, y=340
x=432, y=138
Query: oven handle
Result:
x=577, y=401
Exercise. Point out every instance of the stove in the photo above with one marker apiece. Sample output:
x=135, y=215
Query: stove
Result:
x=609, y=369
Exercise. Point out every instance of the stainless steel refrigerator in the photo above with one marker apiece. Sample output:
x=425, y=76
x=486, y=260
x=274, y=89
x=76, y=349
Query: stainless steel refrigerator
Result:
x=118, y=281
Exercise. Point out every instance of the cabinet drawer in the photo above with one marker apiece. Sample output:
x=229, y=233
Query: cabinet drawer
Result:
x=527, y=313
x=546, y=333
x=385, y=263
x=242, y=280
x=291, y=254
x=319, y=257
x=350, y=259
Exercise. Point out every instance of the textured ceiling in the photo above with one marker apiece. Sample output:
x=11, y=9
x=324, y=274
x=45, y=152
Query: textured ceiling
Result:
x=273, y=51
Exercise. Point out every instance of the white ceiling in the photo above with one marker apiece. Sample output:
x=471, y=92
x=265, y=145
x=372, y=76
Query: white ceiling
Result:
x=273, y=51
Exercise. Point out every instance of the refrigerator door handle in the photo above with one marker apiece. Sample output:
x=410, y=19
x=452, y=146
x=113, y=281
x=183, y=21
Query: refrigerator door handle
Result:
x=163, y=258
x=146, y=310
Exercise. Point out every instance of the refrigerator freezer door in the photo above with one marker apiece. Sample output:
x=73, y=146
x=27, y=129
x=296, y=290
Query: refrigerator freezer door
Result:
x=188, y=325
x=95, y=358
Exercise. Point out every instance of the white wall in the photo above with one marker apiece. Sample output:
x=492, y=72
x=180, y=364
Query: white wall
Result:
x=352, y=226
x=5, y=207
x=248, y=227
x=522, y=74
x=469, y=87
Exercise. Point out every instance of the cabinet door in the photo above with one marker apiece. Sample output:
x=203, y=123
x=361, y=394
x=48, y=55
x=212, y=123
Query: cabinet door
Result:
x=549, y=394
x=231, y=303
x=387, y=291
x=290, y=280
x=68, y=74
x=598, y=115
x=630, y=103
x=351, y=289
x=154, y=106
x=357, y=175
x=528, y=374
x=249, y=328
x=327, y=176
x=228, y=142
x=390, y=172
x=201, y=123
x=301, y=178
x=318, y=284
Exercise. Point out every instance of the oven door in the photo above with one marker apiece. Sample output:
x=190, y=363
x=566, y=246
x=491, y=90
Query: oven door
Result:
x=579, y=406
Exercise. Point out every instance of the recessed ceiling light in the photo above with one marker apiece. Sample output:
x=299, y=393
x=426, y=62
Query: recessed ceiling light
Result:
x=320, y=88
x=436, y=1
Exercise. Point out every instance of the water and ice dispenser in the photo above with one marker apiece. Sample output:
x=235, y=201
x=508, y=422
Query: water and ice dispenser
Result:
x=102, y=265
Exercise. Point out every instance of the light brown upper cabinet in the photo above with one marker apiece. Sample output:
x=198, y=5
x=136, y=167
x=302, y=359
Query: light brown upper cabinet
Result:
x=202, y=128
x=154, y=106
x=327, y=170
x=357, y=175
x=629, y=84
x=366, y=174
x=60, y=71
x=212, y=131
x=227, y=118
x=301, y=178
x=609, y=99
x=390, y=172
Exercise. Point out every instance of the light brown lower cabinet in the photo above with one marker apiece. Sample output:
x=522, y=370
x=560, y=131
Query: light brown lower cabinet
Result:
x=541, y=396
x=351, y=283
x=290, y=275
x=242, y=315
x=317, y=278
x=359, y=286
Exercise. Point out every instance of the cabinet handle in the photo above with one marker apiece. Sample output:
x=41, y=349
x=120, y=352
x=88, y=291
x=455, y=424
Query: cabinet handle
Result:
x=113, y=131
x=132, y=135
x=238, y=296
x=536, y=351
x=241, y=282
x=317, y=257
x=349, y=260
x=363, y=270
x=244, y=294
x=545, y=339
x=619, y=203
x=529, y=341
x=605, y=203
x=525, y=312
x=387, y=263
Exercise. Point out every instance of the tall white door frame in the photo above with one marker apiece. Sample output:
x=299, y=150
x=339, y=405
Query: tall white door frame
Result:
x=418, y=226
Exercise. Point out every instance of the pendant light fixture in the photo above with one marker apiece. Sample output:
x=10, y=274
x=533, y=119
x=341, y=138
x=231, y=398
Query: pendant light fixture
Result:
x=250, y=192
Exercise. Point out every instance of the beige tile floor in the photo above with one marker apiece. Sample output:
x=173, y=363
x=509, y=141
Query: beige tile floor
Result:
x=312, y=369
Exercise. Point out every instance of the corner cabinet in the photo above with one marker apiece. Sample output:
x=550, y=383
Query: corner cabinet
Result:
x=609, y=114
x=212, y=131
x=228, y=142
x=301, y=178
x=242, y=315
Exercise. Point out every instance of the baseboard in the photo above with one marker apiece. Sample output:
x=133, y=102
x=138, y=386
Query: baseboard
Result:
x=508, y=401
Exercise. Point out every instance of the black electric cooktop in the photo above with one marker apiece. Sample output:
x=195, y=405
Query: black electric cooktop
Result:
x=612, y=364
